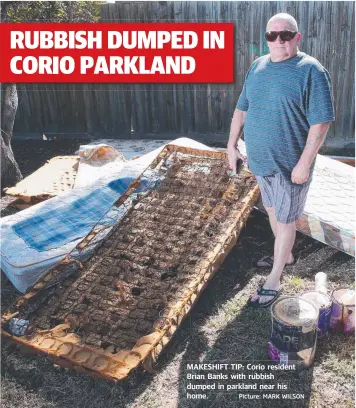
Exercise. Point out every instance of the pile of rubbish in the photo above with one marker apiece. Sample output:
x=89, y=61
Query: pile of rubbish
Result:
x=120, y=305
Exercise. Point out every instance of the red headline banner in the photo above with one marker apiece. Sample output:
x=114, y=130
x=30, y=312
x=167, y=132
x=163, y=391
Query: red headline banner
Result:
x=110, y=52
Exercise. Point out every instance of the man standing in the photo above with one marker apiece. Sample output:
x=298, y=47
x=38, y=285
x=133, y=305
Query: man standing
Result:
x=285, y=109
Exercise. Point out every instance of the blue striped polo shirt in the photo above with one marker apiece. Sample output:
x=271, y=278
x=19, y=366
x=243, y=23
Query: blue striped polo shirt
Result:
x=283, y=99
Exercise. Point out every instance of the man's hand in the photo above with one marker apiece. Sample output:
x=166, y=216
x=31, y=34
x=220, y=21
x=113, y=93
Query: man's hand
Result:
x=300, y=173
x=233, y=155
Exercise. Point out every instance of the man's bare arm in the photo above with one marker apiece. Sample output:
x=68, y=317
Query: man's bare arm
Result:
x=237, y=124
x=236, y=128
x=316, y=137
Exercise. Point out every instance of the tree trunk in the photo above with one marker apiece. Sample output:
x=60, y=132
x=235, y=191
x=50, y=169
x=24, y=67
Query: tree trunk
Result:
x=10, y=172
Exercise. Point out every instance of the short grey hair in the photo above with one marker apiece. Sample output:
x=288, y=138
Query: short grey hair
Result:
x=286, y=17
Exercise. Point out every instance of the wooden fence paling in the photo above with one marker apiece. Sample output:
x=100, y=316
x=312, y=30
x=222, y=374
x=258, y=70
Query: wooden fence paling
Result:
x=121, y=110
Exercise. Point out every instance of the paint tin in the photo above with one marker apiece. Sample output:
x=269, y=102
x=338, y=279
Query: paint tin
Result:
x=294, y=332
x=323, y=303
x=343, y=311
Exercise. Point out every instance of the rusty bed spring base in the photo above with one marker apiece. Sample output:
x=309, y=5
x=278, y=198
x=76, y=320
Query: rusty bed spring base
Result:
x=64, y=344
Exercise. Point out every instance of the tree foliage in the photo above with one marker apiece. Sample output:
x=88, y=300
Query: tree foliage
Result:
x=50, y=11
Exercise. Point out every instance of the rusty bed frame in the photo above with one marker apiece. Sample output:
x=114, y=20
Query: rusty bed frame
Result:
x=63, y=345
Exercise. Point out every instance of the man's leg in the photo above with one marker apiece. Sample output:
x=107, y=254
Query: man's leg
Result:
x=272, y=220
x=288, y=203
x=283, y=245
x=274, y=226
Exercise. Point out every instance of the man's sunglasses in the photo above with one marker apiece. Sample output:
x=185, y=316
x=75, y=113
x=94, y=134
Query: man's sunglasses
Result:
x=284, y=35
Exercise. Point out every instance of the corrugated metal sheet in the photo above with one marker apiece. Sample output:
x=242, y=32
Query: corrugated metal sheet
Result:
x=121, y=110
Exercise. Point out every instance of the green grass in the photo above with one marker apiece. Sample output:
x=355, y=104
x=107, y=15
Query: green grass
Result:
x=220, y=328
x=294, y=283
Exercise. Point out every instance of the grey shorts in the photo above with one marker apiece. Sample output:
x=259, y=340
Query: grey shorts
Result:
x=287, y=199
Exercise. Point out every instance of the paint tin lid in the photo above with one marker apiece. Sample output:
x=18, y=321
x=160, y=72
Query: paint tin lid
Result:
x=295, y=311
x=320, y=300
x=345, y=296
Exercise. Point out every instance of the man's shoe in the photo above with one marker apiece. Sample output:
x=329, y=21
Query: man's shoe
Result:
x=264, y=292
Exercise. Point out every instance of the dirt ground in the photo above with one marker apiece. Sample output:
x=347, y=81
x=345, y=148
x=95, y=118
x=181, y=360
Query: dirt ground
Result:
x=220, y=328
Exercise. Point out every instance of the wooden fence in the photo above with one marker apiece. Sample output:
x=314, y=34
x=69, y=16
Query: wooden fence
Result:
x=134, y=110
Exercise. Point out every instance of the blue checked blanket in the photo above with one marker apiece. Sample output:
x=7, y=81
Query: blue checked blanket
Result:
x=74, y=219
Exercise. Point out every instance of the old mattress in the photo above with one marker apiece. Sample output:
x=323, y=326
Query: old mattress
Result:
x=55, y=177
x=23, y=262
x=63, y=173
x=329, y=214
x=120, y=307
